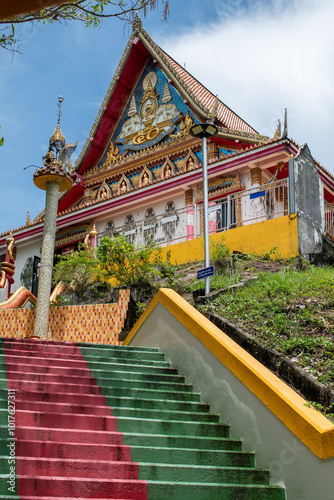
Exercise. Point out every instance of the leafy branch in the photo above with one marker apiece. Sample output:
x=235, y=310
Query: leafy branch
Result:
x=91, y=12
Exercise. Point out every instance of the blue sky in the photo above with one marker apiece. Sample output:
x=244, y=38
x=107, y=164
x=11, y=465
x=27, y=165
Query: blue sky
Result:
x=259, y=56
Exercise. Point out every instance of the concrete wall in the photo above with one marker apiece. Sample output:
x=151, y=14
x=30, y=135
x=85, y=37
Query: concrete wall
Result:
x=306, y=199
x=296, y=442
x=96, y=323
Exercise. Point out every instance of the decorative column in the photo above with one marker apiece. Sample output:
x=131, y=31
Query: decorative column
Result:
x=52, y=180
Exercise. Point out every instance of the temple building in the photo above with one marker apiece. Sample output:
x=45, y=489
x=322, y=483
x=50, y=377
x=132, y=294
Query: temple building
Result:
x=140, y=173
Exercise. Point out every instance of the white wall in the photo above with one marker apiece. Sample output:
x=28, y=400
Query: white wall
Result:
x=291, y=463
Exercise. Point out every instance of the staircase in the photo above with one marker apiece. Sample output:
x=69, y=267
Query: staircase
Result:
x=113, y=422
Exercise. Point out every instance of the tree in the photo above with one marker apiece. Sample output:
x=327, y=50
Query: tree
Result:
x=91, y=12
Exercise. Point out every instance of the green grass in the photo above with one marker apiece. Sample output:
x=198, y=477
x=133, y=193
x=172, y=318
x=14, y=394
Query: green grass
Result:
x=290, y=311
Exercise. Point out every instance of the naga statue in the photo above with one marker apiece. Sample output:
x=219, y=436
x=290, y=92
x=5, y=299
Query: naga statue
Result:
x=7, y=268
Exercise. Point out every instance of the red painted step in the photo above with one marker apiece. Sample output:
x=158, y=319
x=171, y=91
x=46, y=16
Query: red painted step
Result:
x=23, y=367
x=98, y=451
x=83, y=409
x=43, y=354
x=61, y=397
x=51, y=377
x=67, y=444
x=23, y=385
x=69, y=435
x=76, y=468
x=65, y=421
x=86, y=488
x=44, y=347
x=11, y=359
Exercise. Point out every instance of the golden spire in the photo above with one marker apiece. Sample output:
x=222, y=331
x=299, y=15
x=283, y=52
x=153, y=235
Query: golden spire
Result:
x=167, y=95
x=133, y=107
x=57, y=140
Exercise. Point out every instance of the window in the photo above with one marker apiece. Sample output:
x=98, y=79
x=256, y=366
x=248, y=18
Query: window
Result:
x=130, y=229
x=150, y=226
x=170, y=220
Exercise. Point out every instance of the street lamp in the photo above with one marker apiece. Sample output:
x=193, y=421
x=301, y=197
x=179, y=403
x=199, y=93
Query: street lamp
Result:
x=203, y=131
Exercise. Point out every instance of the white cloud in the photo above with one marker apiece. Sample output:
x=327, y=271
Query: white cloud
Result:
x=263, y=60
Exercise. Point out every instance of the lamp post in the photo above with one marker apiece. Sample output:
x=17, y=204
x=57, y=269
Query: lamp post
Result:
x=52, y=178
x=203, y=131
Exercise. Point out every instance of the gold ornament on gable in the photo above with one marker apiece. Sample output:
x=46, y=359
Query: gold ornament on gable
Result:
x=104, y=192
x=146, y=177
x=185, y=126
x=123, y=185
x=220, y=186
x=168, y=170
x=113, y=155
x=151, y=122
x=72, y=234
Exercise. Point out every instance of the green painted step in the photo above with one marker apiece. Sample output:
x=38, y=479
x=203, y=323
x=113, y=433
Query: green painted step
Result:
x=133, y=375
x=117, y=382
x=136, y=403
x=89, y=345
x=164, y=415
x=143, y=384
x=182, y=449
x=203, y=474
x=189, y=456
x=178, y=441
x=212, y=491
x=163, y=404
x=190, y=473
x=150, y=394
x=137, y=425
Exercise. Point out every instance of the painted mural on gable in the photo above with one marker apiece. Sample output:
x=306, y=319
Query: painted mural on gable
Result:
x=155, y=119
x=155, y=112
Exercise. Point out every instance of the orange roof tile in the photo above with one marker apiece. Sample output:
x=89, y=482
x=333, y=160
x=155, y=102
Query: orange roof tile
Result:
x=225, y=115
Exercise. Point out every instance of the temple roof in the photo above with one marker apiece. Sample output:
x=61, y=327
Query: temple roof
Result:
x=198, y=98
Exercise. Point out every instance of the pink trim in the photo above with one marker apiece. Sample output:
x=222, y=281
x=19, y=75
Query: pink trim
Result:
x=220, y=167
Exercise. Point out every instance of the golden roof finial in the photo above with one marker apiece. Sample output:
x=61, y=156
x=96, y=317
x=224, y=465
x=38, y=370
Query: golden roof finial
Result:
x=278, y=132
x=136, y=23
x=57, y=140
x=214, y=110
x=28, y=220
x=285, y=129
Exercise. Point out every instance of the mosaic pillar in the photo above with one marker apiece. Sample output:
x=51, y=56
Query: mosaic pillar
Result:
x=46, y=264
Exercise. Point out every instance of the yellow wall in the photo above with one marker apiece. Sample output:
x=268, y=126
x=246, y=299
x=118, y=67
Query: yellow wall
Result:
x=258, y=238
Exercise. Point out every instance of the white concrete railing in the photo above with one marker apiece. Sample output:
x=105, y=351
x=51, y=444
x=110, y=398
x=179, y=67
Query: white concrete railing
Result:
x=329, y=219
x=234, y=210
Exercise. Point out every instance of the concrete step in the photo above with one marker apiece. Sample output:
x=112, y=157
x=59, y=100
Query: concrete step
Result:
x=145, y=471
x=155, y=440
x=84, y=372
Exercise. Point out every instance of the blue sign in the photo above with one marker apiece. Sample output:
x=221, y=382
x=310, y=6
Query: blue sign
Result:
x=257, y=195
x=206, y=272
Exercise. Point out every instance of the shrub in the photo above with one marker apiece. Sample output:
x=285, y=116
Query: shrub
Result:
x=129, y=267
